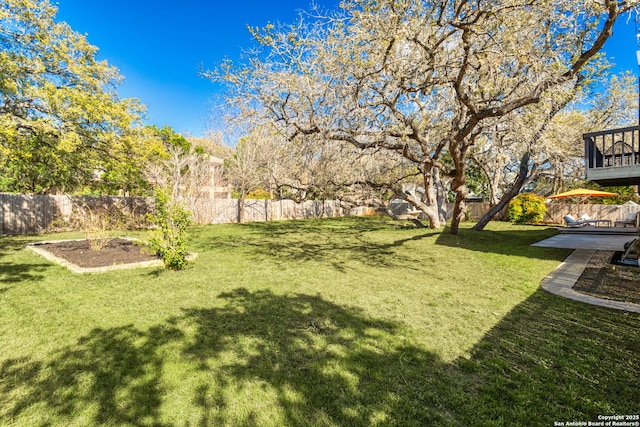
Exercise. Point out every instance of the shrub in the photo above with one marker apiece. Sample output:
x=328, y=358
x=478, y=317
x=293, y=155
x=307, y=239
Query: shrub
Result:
x=527, y=208
x=170, y=243
x=260, y=194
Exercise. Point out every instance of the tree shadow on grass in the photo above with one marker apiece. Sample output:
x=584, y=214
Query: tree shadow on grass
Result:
x=15, y=272
x=346, y=225
x=552, y=359
x=10, y=244
x=513, y=242
x=314, y=362
x=330, y=241
x=110, y=377
x=325, y=364
x=266, y=359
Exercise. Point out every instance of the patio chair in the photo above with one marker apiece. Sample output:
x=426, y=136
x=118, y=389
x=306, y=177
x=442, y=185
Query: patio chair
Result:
x=570, y=221
x=630, y=219
x=595, y=222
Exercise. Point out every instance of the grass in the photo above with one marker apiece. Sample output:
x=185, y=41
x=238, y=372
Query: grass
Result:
x=323, y=322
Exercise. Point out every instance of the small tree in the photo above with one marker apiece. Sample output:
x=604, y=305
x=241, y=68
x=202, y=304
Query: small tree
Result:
x=171, y=241
x=527, y=208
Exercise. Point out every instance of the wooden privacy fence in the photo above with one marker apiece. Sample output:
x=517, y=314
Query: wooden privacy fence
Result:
x=221, y=211
x=30, y=214
x=556, y=211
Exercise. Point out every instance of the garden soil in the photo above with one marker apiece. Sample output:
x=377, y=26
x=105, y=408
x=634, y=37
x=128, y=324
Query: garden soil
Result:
x=115, y=252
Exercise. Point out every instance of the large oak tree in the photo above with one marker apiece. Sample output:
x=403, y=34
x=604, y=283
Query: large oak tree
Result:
x=419, y=78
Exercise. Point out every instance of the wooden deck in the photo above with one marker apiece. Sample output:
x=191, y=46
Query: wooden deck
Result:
x=612, y=157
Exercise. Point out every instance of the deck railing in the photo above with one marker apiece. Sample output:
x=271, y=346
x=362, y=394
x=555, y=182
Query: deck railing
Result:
x=612, y=157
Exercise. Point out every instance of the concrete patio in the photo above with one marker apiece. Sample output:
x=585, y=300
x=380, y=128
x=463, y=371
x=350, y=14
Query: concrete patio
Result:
x=596, y=238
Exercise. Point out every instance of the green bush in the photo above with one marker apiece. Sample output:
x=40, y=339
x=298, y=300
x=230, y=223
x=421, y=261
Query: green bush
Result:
x=260, y=194
x=170, y=243
x=527, y=208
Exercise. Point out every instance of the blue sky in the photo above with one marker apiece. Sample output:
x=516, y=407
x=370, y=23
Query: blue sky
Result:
x=159, y=47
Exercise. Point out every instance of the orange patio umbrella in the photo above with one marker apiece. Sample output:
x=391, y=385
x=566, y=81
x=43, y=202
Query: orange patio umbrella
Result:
x=582, y=193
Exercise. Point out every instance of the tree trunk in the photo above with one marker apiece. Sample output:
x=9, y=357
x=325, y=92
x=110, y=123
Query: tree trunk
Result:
x=458, y=155
x=429, y=210
x=241, y=200
x=524, y=175
x=430, y=205
x=458, y=210
x=441, y=196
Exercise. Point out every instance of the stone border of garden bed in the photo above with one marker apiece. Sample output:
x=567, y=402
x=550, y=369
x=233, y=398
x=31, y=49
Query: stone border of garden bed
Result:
x=38, y=248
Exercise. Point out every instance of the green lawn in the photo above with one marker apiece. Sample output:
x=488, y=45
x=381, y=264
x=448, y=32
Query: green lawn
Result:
x=340, y=322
